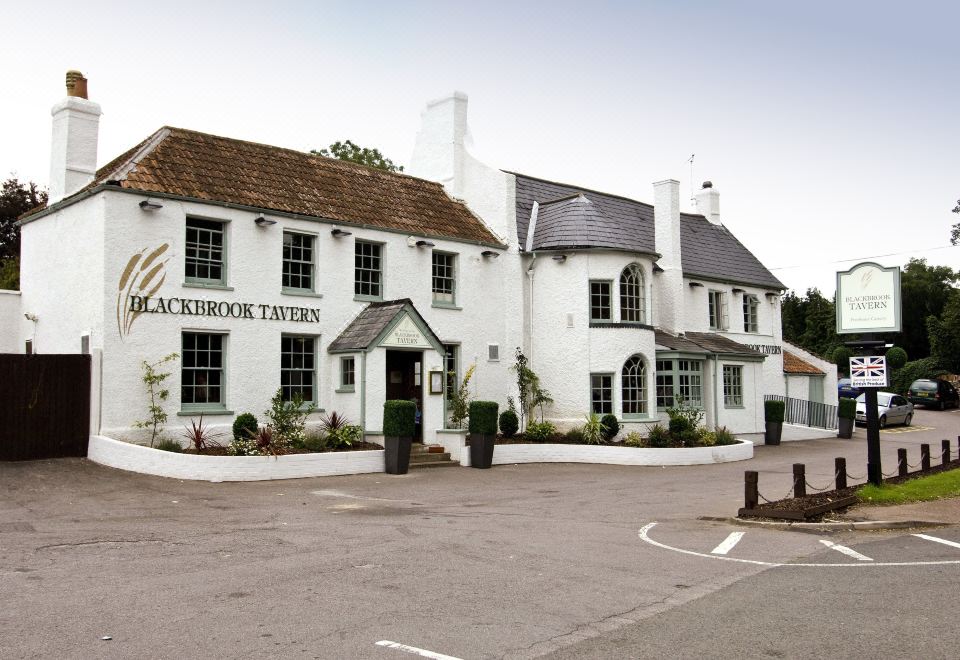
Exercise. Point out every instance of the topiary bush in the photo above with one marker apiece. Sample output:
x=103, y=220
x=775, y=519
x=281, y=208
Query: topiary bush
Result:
x=399, y=418
x=774, y=410
x=244, y=426
x=509, y=423
x=847, y=408
x=896, y=358
x=611, y=426
x=678, y=426
x=483, y=417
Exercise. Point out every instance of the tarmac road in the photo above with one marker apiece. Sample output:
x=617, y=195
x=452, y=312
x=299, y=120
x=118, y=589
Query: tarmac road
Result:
x=512, y=562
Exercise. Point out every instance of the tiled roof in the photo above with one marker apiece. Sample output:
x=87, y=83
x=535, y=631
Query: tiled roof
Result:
x=707, y=250
x=704, y=342
x=369, y=323
x=793, y=364
x=206, y=167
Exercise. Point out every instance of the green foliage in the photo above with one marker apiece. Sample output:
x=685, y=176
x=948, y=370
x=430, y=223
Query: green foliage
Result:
x=810, y=321
x=317, y=442
x=922, y=489
x=169, y=445
x=911, y=371
x=509, y=423
x=259, y=442
x=593, y=430
x=399, y=418
x=678, y=426
x=847, y=408
x=925, y=292
x=199, y=436
x=288, y=419
x=483, y=417
x=574, y=436
x=896, y=358
x=944, y=335
x=539, y=431
x=682, y=411
x=773, y=411
x=723, y=436
x=244, y=425
x=659, y=437
x=153, y=378
x=353, y=153
x=15, y=199
x=690, y=437
x=10, y=274
x=460, y=399
x=634, y=439
x=611, y=426
x=337, y=431
x=532, y=395
x=955, y=230
x=841, y=357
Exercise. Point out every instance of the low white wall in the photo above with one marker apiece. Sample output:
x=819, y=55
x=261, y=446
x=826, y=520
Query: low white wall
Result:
x=136, y=458
x=11, y=319
x=550, y=453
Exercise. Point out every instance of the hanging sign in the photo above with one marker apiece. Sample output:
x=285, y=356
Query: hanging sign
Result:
x=868, y=299
x=868, y=371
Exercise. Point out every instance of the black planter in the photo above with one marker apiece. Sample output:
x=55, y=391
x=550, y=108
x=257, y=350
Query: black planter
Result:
x=773, y=432
x=481, y=450
x=846, y=428
x=397, y=454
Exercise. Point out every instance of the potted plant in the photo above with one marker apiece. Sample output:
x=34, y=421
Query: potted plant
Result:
x=773, y=415
x=483, y=433
x=399, y=425
x=846, y=412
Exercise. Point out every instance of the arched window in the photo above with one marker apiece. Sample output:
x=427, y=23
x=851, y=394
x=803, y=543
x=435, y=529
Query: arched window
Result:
x=633, y=303
x=634, y=386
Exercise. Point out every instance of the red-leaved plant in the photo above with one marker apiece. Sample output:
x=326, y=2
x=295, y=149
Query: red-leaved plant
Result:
x=200, y=436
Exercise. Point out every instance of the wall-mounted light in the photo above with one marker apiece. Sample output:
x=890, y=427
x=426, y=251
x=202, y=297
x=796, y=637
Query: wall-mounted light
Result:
x=559, y=258
x=31, y=317
x=695, y=284
x=736, y=290
x=336, y=232
x=149, y=205
x=264, y=222
x=489, y=254
x=424, y=244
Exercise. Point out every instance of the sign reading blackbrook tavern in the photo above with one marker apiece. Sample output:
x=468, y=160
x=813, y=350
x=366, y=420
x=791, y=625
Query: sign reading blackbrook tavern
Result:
x=868, y=299
x=236, y=310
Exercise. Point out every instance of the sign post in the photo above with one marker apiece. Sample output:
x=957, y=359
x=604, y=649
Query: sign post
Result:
x=868, y=301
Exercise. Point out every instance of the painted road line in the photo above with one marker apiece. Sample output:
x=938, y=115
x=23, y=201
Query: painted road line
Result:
x=936, y=539
x=845, y=550
x=423, y=653
x=728, y=544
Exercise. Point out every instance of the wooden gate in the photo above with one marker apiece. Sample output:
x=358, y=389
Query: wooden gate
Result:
x=44, y=406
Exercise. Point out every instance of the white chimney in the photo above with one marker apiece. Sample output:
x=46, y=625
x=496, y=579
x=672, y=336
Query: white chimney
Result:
x=666, y=224
x=440, y=149
x=708, y=202
x=73, y=151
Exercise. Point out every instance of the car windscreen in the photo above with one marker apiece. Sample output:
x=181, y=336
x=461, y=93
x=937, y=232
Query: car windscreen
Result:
x=883, y=398
x=924, y=386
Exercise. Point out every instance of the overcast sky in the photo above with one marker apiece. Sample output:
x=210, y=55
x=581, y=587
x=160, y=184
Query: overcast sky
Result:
x=829, y=128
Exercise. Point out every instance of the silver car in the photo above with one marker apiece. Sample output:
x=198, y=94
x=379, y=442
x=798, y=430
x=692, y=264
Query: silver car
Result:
x=892, y=409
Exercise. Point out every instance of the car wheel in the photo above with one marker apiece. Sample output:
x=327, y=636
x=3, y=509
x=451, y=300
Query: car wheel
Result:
x=883, y=421
x=908, y=419
x=943, y=406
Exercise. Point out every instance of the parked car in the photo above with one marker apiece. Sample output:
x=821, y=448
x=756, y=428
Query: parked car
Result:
x=891, y=408
x=845, y=390
x=934, y=393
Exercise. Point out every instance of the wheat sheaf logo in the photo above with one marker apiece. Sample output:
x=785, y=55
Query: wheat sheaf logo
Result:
x=866, y=278
x=143, y=276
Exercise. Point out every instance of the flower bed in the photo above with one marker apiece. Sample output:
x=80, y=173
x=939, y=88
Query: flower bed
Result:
x=614, y=455
x=201, y=467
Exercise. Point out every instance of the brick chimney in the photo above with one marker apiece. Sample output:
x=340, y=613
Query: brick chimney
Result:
x=73, y=149
x=708, y=202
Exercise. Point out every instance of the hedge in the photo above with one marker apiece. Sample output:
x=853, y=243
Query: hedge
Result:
x=773, y=411
x=847, y=408
x=399, y=418
x=483, y=417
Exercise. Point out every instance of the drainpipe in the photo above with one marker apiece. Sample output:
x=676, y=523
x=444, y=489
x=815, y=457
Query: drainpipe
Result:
x=363, y=391
x=716, y=388
x=530, y=272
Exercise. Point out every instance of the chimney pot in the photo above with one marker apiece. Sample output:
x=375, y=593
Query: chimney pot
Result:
x=76, y=84
x=708, y=184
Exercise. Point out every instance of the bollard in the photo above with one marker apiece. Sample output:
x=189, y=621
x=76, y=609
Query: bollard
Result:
x=799, y=480
x=924, y=457
x=751, y=495
x=840, y=467
x=944, y=451
x=902, y=462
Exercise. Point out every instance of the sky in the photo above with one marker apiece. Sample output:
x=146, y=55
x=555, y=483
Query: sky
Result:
x=829, y=128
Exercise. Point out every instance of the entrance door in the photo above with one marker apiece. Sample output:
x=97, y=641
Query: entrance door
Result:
x=405, y=381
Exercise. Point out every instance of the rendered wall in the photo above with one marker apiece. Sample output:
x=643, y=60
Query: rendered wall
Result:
x=11, y=322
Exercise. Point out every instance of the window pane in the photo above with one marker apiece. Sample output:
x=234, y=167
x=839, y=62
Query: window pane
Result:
x=297, y=373
x=203, y=259
x=633, y=387
x=632, y=301
x=443, y=280
x=601, y=393
x=298, y=261
x=367, y=273
x=600, y=309
x=201, y=372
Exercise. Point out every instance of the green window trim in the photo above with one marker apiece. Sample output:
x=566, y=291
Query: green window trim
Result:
x=751, y=313
x=733, y=386
x=348, y=374
x=368, y=270
x=601, y=393
x=443, y=278
x=633, y=387
x=633, y=299
x=298, y=367
x=601, y=300
x=203, y=371
x=299, y=270
x=206, y=412
x=201, y=285
x=719, y=316
x=679, y=377
x=205, y=252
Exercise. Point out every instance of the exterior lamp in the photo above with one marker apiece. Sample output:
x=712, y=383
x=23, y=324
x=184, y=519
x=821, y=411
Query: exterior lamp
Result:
x=264, y=222
x=489, y=254
x=559, y=258
x=336, y=232
x=695, y=284
x=147, y=205
x=735, y=290
x=422, y=244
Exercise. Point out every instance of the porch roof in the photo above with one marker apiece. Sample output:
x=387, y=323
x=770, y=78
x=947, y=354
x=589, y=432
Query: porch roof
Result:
x=705, y=343
x=363, y=333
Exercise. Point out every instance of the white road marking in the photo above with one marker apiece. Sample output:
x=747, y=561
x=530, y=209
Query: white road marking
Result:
x=644, y=536
x=728, y=544
x=937, y=540
x=423, y=653
x=845, y=550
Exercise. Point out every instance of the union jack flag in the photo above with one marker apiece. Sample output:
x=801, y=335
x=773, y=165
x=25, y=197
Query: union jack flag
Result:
x=868, y=367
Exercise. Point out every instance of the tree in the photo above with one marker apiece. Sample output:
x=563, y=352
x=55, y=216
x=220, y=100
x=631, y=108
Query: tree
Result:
x=924, y=292
x=355, y=154
x=15, y=199
x=955, y=232
x=945, y=336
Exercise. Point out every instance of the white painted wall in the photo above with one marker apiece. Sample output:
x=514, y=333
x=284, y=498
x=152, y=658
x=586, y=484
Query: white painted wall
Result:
x=11, y=322
x=830, y=395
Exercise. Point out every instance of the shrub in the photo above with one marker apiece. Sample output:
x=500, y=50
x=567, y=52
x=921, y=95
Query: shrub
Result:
x=707, y=438
x=460, y=399
x=773, y=410
x=288, y=419
x=634, y=439
x=681, y=411
x=153, y=378
x=911, y=371
x=678, y=426
x=509, y=423
x=337, y=431
x=399, y=418
x=574, y=436
x=659, y=437
x=539, y=431
x=199, y=436
x=346, y=436
x=593, y=430
x=244, y=423
x=169, y=445
x=896, y=358
x=611, y=426
x=483, y=417
x=841, y=357
x=723, y=436
x=690, y=437
x=316, y=442
x=847, y=408
x=261, y=442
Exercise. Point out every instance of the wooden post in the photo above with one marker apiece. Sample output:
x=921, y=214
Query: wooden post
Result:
x=799, y=480
x=924, y=457
x=751, y=495
x=944, y=451
x=840, y=467
x=902, y=462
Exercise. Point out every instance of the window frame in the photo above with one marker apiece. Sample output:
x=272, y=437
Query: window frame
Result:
x=195, y=280
x=594, y=387
x=357, y=295
x=677, y=374
x=313, y=371
x=733, y=386
x=718, y=315
x=205, y=406
x=751, y=313
x=343, y=386
x=640, y=386
x=286, y=288
x=634, y=271
x=452, y=278
x=609, y=296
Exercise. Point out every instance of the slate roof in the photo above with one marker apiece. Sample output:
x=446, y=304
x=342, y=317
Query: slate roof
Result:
x=793, y=364
x=205, y=167
x=707, y=250
x=704, y=342
x=367, y=326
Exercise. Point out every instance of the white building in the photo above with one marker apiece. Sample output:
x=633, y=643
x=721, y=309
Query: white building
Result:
x=265, y=268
